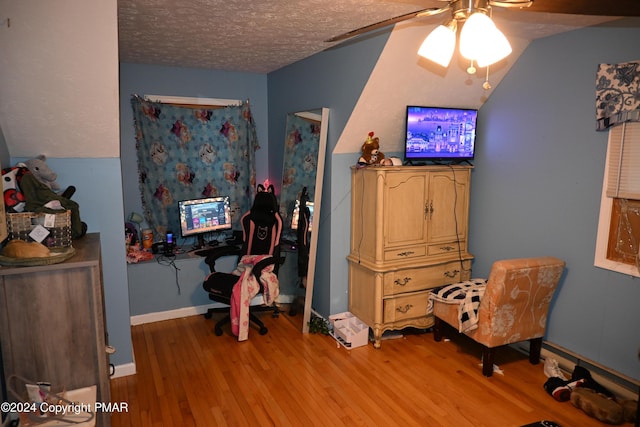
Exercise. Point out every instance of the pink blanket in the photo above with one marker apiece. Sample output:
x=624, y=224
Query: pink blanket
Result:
x=249, y=287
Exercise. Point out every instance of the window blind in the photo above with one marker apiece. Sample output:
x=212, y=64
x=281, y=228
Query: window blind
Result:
x=623, y=180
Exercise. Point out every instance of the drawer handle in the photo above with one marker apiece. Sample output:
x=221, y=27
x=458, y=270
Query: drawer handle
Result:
x=451, y=274
x=404, y=281
x=447, y=248
x=405, y=309
x=407, y=253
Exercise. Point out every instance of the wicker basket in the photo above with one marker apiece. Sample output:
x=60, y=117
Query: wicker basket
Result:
x=19, y=225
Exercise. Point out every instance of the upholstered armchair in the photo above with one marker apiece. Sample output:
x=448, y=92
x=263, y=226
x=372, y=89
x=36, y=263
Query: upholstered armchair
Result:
x=511, y=306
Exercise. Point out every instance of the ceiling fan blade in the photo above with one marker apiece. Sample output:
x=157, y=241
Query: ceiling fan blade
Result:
x=387, y=22
x=511, y=3
x=588, y=7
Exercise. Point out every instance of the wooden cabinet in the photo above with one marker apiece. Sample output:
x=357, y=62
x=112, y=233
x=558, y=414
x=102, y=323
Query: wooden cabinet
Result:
x=52, y=322
x=408, y=235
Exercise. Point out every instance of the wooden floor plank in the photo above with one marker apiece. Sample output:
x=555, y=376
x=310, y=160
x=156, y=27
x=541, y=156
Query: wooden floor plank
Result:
x=187, y=376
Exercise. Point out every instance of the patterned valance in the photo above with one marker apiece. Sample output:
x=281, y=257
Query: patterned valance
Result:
x=617, y=94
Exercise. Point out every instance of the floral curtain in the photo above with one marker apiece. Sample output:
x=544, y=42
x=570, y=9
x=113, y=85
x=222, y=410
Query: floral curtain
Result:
x=617, y=94
x=190, y=152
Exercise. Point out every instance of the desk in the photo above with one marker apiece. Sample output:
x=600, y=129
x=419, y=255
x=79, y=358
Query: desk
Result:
x=168, y=287
x=217, y=250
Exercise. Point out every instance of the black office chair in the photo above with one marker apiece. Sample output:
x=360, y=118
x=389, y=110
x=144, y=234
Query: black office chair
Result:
x=303, y=234
x=261, y=231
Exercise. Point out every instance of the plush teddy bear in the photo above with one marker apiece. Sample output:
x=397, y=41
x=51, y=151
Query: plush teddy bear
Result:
x=371, y=153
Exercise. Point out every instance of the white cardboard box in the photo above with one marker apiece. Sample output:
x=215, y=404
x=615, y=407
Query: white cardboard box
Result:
x=349, y=330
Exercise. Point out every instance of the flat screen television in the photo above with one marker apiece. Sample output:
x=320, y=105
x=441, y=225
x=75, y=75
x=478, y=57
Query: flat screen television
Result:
x=436, y=134
x=295, y=217
x=201, y=216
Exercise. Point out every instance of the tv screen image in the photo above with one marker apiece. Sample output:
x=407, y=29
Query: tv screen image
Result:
x=206, y=215
x=440, y=134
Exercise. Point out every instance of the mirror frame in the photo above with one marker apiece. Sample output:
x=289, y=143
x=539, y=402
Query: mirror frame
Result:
x=317, y=205
x=315, y=115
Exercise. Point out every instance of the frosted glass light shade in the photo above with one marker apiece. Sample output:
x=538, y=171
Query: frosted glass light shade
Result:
x=499, y=49
x=481, y=41
x=439, y=44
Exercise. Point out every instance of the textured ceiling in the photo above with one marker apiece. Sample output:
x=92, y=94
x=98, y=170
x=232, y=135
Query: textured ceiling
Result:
x=239, y=35
x=265, y=35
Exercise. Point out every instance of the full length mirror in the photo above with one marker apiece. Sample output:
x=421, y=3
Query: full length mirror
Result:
x=300, y=200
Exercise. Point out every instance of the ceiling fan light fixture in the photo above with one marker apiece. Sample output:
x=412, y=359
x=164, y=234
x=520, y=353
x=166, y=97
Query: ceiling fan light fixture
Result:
x=475, y=35
x=440, y=44
x=499, y=49
x=481, y=40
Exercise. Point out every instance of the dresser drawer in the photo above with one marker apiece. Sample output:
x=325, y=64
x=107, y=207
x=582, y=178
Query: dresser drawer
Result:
x=417, y=279
x=406, y=252
x=446, y=248
x=405, y=307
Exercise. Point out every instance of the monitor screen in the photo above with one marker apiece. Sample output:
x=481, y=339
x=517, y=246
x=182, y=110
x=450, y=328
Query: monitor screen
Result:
x=199, y=216
x=439, y=134
x=296, y=215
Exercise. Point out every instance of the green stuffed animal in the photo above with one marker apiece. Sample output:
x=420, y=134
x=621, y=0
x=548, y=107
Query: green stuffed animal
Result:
x=38, y=188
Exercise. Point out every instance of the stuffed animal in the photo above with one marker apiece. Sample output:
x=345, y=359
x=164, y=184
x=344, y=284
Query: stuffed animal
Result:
x=26, y=190
x=40, y=198
x=13, y=198
x=371, y=153
x=42, y=172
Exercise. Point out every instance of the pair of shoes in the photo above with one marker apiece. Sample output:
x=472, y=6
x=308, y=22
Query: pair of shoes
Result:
x=581, y=373
x=560, y=389
x=551, y=369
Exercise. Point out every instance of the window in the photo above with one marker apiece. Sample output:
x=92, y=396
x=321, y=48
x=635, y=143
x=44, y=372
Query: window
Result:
x=618, y=239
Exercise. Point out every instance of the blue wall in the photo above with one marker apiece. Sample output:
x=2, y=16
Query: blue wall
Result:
x=537, y=185
x=535, y=188
x=332, y=79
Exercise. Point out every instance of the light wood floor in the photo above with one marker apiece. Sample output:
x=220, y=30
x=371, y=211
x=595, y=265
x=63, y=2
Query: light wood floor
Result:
x=187, y=376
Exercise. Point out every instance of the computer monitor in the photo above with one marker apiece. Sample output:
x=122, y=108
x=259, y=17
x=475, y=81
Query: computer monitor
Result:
x=206, y=215
x=295, y=216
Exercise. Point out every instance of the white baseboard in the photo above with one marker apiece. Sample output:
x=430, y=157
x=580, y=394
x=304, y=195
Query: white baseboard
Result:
x=172, y=314
x=141, y=319
x=124, y=370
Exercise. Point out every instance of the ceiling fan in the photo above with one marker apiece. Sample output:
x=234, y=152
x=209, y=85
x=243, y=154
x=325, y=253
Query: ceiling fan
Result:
x=481, y=41
x=462, y=9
